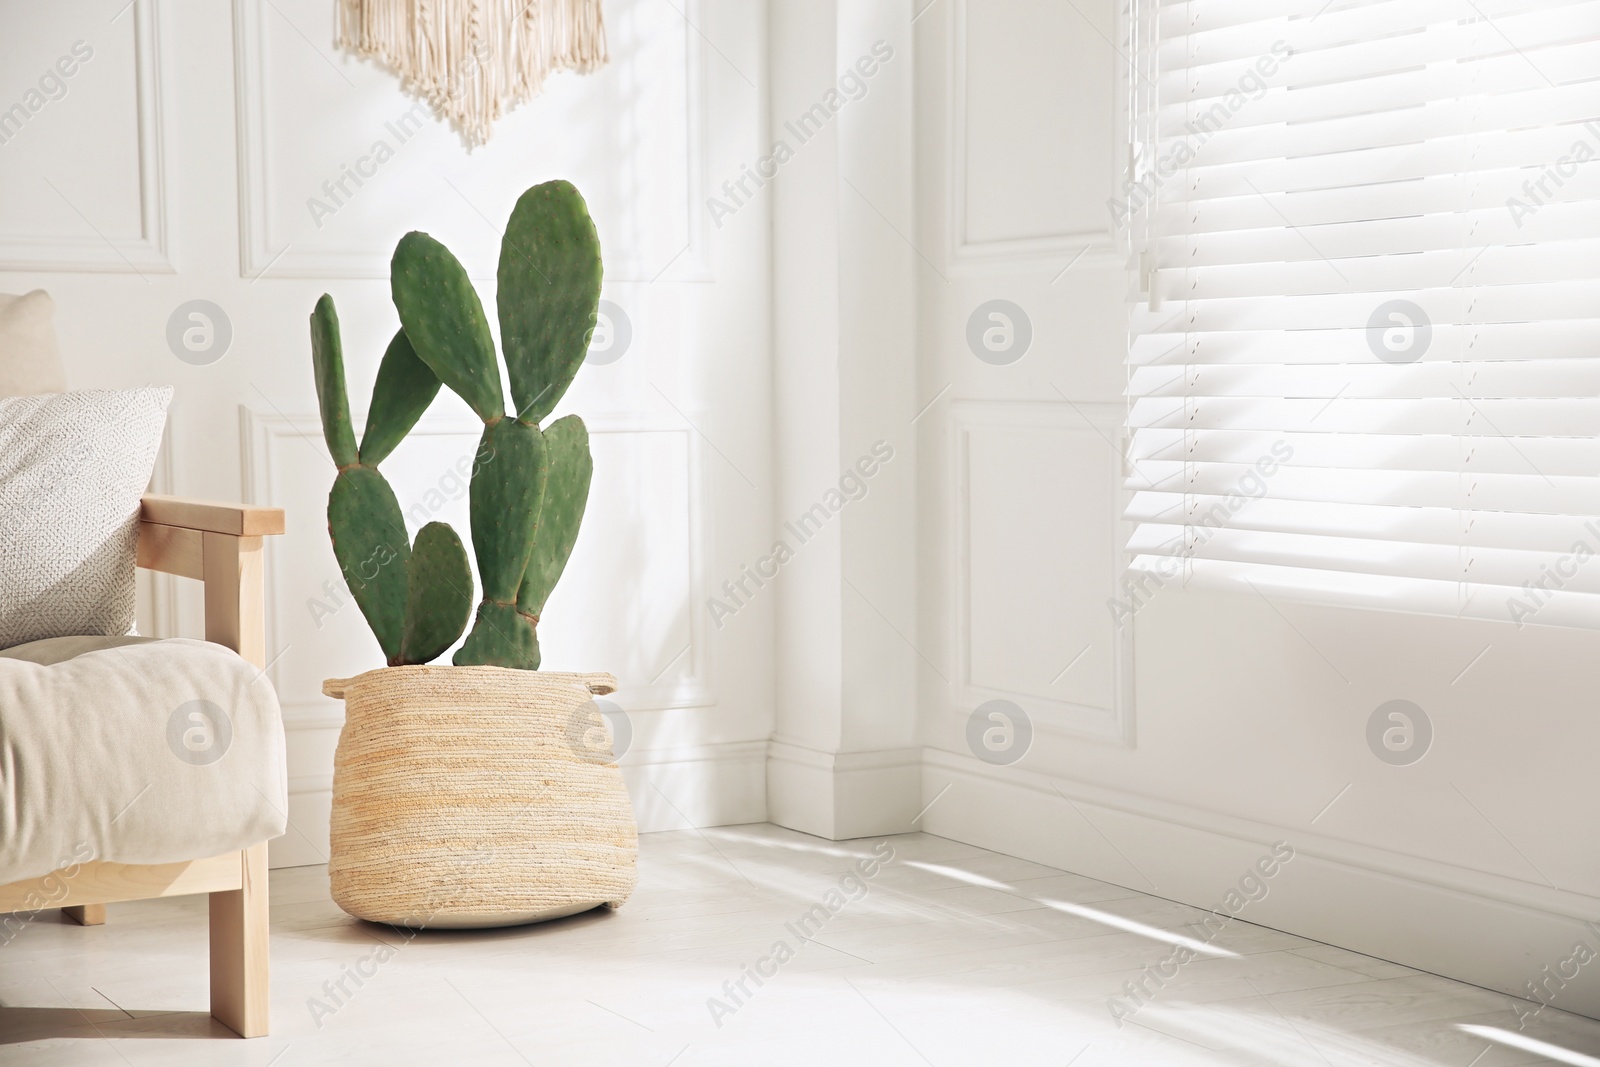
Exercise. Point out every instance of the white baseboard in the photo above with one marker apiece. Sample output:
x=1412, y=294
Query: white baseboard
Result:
x=843, y=795
x=305, y=842
x=1493, y=931
x=697, y=785
x=1481, y=928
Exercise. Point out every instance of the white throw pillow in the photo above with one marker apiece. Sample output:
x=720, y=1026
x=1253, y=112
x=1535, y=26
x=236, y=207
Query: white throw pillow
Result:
x=72, y=469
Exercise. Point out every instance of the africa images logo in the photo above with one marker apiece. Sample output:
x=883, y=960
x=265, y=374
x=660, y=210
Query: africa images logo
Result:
x=199, y=732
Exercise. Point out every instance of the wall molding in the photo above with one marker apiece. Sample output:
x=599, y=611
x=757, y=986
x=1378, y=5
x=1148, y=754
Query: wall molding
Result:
x=259, y=258
x=1042, y=252
x=1104, y=422
x=148, y=253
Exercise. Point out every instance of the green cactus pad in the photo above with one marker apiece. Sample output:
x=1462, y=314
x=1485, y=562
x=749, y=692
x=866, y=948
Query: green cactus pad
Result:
x=507, y=487
x=566, y=493
x=327, y=361
x=404, y=389
x=501, y=637
x=370, y=543
x=444, y=319
x=549, y=282
x=438, y=594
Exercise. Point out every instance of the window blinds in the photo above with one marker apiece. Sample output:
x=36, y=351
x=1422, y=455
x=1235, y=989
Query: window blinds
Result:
x=1364, y=364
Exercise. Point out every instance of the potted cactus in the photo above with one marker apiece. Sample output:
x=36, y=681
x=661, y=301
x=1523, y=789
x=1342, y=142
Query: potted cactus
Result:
x=459, y=797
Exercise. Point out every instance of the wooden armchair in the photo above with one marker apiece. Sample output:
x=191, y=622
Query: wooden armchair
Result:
x=220, y=545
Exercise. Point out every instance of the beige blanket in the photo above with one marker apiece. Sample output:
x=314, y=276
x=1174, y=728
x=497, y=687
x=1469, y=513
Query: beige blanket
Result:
x=134, y=750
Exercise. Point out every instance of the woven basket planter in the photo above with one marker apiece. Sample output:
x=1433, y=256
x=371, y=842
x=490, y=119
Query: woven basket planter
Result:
x=474, y=796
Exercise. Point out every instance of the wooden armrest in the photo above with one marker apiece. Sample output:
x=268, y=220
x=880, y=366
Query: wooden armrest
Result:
x=219, y=544
x=239, y=520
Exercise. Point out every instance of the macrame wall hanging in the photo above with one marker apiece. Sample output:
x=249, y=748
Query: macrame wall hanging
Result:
x=472, y=60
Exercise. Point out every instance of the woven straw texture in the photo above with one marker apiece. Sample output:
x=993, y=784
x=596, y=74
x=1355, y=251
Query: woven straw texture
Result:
x=472, y=796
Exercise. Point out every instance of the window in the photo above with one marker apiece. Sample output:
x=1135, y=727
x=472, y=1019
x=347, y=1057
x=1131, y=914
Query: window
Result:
x=1365, y=351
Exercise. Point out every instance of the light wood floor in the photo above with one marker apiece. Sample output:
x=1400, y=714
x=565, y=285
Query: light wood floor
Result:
x=949, y=958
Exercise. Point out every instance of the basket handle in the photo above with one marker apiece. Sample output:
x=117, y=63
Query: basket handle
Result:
x=600, y=684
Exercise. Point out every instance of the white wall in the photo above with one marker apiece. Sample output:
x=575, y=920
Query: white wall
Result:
x=1178, y=748
x=179, y=164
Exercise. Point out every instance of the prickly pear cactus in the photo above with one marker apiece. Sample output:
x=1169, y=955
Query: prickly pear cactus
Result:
x=529, y=486
x=415, y=599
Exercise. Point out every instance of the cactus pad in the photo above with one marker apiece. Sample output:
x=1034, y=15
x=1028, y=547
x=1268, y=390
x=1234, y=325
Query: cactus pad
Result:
x=327, y=362
x=438, y=594
x=549, y=288
x=370, y=543
x=444, y=319
x=404, y=389
x=506, y=490
x=561, y=512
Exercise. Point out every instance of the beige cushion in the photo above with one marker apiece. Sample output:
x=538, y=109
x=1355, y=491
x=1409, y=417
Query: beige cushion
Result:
x=30, y=361
x=134, y=750
x=53, y=650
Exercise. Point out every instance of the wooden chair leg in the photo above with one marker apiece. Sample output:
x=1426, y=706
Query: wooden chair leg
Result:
x=239, y=949
x=87, y=914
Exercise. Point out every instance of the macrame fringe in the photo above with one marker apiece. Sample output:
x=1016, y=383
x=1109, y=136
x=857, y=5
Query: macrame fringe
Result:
x=472, y=60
